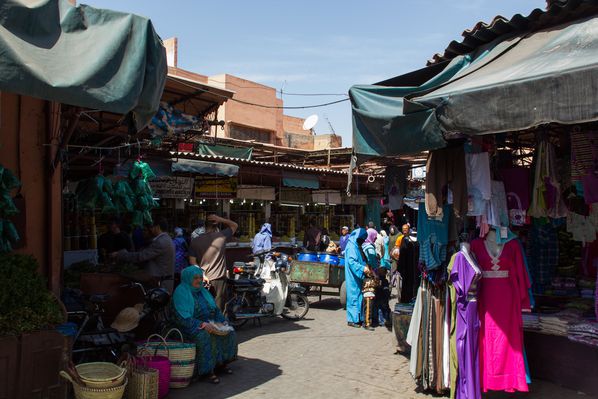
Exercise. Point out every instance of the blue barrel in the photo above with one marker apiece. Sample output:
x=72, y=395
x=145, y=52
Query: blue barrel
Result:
x=307, y=257
x=329, y=258
x=341, y=261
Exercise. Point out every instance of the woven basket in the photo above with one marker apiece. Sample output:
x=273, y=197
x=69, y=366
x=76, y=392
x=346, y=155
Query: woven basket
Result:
x=143, y=380
x=180, y=354
x=96, y=393
x=101, y=374
x=160, y=363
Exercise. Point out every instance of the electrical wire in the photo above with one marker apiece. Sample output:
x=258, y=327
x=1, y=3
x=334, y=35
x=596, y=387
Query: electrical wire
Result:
x=262, y=105
x=279, y=91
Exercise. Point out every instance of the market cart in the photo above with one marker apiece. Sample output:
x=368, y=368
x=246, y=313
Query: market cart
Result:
x=320, y=271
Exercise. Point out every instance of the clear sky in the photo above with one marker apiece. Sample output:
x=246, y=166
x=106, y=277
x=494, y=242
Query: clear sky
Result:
x=311, y=46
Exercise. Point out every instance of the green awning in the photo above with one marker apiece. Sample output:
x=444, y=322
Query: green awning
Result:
x=381, y=128
x=204, y=168
x=538, y=78
x=224, y=151
x=83, y=56
x=300, y=180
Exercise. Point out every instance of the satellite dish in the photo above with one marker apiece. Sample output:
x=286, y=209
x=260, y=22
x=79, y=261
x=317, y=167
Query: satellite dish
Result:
x=310, y=122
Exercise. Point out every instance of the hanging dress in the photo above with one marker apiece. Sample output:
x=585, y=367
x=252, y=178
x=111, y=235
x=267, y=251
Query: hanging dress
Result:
x=503, y=294
x=464, y=279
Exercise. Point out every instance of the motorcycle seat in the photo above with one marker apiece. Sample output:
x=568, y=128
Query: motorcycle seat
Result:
x=249, y=282
x=99, y=298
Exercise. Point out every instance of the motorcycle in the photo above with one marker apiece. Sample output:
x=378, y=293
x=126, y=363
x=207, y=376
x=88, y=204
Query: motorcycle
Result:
x=262, y=289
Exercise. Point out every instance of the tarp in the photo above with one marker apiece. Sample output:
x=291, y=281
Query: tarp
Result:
x=381, y=128
x=82, y=56
x=547, y=76
x=300, y=180
x=224, y=151
x=205, y=168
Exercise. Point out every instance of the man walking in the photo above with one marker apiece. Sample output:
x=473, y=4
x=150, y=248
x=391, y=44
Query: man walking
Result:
x=208, y=251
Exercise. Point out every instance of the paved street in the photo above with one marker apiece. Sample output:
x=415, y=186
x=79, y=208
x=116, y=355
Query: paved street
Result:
x=321, y=357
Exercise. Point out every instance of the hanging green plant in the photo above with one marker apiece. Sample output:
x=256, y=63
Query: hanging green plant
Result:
x=8, y=231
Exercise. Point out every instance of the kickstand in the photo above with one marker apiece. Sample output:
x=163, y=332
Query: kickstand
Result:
x=258, y=321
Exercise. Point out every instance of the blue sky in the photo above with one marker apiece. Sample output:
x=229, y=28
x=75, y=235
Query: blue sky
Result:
x=314, y=46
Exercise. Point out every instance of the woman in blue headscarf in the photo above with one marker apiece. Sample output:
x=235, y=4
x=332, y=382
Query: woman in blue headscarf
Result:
x=193, y=310
x=369, y=249
x=355, y=270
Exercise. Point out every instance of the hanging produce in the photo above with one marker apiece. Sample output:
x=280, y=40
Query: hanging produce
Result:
x=96, y=193
x=142, y=193
x=123, y=197
x=8, y=232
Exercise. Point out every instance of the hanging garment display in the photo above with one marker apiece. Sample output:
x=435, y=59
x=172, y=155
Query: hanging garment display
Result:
x=464, y=277
x=433, y=237
x=504, y=294
x=407, y=266
x=546, y=194
x=427, y=331
x=446, y=169
x=479, y=190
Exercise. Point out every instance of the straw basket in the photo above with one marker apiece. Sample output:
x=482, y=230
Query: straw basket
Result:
x=180, y=354
x=82, y=392
x=143, y=380
x=160, y=363
x=101, y=374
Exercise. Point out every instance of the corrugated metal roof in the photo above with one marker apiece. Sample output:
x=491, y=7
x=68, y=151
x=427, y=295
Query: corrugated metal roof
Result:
x=260, y=163
x=559, y=11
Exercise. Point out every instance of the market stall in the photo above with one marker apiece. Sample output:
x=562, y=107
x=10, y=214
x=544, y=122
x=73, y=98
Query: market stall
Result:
x=507, y=227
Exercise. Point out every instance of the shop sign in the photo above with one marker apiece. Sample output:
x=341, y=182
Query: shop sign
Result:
x=355, y=199
x=256, y=193
x=172, y=187
x=186, y=147
x=327, y=197
x=215, y=187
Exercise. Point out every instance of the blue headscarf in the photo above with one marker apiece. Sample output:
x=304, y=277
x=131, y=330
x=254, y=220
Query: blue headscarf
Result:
x=185, y=294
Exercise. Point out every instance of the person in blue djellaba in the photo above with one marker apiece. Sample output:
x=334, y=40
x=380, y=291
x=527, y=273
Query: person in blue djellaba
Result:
x=195, y=313
x=355, y=271
x=262, y=240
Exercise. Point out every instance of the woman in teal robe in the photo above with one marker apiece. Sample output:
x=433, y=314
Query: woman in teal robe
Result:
x=354, y=273
x=193, y=307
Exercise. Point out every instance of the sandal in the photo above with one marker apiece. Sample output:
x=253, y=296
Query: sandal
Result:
x=214, y=379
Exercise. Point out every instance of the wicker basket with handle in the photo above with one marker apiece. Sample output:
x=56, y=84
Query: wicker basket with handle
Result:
x=180, y=353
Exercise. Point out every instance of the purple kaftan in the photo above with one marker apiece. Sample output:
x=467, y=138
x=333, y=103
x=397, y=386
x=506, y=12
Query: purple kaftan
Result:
x=464, y=278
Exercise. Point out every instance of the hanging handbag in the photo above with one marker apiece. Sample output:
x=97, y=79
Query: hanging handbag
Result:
x=516, y=216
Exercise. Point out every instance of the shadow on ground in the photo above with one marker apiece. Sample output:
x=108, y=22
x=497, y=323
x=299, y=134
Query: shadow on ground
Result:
x=326, y=304
x=248, y=374
x=274, y=325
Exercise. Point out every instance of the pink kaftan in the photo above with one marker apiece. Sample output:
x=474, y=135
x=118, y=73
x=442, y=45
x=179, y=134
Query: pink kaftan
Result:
x=503, y=293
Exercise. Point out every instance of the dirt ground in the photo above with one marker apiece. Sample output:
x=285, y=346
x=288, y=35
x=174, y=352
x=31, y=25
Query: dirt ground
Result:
x=320, y=357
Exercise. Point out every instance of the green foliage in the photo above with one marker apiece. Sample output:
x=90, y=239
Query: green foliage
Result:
x=8, y=232
x=25, y=303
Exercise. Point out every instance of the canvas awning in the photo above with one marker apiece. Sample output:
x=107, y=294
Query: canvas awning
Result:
x=82, y=56
x=204, y=168
x=380, y=125
x=224, y=151
x=300, y=180
x=533, y=79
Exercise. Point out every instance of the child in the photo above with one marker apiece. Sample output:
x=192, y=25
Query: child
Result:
x=383, y=299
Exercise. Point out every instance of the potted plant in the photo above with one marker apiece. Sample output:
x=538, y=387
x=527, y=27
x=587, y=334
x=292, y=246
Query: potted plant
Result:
x=31, y=348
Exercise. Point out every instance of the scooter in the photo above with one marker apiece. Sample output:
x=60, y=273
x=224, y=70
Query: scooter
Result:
x=262, y=289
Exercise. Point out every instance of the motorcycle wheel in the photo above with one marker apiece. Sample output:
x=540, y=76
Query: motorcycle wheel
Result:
x=229, y=313
x=296, y=307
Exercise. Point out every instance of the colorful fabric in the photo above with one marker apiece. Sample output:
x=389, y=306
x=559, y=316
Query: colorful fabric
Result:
x=185, y=295
x=464, y=279
x=354, y=272
x=503, y=296
x=543, y=255
x=212, y=350
x=180, y=254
